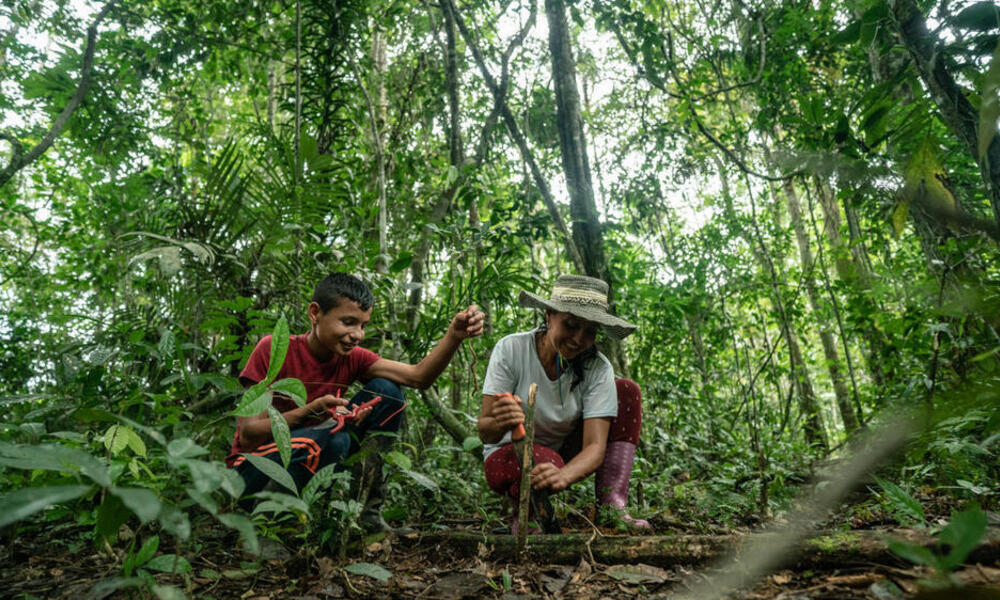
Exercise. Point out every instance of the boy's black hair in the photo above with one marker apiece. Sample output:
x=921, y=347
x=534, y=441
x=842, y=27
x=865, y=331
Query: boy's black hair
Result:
x=342, y=285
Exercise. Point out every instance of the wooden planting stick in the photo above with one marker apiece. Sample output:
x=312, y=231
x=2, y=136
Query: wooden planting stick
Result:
x=525, y=451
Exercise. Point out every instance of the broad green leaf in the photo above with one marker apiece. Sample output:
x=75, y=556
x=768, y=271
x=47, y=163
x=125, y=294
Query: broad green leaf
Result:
x=153, y=434
x=989, y=106
x=204, y=500
x=273, y=470
x=232, y=483
x=279, y=348
x=111, y=515
x=369, y=569
x=169, y=592
x=114, y=440
x=471, y=443
x=398, y=459
x=119, y=437
x=282, y=435
x=141, y=501
x=291, y=387
x=915, y=554
x=255, y=401
x=147, y=551
x=422, y=479
x=175, y=521
x=185, y=448
x=923, y=179
x=981, y=16
x=245, y=527
x=53, y=457
x=136, y=444
x=287, y=501
x=169, y=563
x=402, y=262
x=207, y=476
x=23, y=503
x=962, y=533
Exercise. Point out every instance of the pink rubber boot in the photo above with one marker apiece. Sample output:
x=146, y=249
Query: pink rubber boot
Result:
x=611, y=480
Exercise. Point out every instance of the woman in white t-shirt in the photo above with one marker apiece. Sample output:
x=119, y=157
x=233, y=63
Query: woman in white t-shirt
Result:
x=585, y=419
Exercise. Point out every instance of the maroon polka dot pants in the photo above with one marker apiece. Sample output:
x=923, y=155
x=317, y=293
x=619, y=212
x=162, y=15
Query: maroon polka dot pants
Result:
x=503, y=471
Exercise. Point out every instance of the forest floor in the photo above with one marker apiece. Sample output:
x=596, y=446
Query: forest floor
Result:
x=36, y=567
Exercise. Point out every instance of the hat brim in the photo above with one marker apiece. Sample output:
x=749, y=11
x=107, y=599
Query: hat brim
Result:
x=615, y=328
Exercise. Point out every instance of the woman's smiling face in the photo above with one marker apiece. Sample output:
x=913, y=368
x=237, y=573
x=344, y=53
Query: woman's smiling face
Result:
x=570, y=334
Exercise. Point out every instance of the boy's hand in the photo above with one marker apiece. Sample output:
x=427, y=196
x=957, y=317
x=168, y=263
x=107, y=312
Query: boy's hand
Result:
x=324, y=404
x=468, y=323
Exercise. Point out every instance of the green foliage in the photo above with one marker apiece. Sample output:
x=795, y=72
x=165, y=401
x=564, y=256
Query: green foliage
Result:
x=906, y=509
x=955, y=542
x=175, y=222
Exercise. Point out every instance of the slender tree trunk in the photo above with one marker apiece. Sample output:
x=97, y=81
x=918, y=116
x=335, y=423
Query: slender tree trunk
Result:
x=854, y=269
x=378, y=127
x=808, y=406
x=841, y=392
x=515, y=132
x=587, y=227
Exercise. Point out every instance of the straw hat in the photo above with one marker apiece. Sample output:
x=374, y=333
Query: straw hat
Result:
x=585, y=297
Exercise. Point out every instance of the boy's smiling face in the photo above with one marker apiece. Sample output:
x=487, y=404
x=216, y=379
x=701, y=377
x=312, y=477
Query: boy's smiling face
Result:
x=338, y=330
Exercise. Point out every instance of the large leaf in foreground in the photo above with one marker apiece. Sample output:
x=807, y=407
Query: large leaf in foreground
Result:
x=23, y=503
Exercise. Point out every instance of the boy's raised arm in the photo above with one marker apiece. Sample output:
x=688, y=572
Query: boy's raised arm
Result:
x=466, y=324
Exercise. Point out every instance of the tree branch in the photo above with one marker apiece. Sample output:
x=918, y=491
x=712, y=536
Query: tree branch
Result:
x=18, y=160
x=519, y=139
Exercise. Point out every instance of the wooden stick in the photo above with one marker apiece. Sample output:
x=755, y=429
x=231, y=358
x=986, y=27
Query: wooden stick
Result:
x=526, y=454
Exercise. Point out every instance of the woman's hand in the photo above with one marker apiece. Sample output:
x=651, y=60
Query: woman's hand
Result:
x=548, y=476
x=507, y=412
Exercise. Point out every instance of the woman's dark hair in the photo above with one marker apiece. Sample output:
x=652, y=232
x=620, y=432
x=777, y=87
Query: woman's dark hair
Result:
x=579, y=364
x=342, y=285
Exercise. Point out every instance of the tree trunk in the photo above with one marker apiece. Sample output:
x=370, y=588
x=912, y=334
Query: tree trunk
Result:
x=854, y=268
x=510, y=122
x=587, y=228
x=840, y=390
x=798, y=372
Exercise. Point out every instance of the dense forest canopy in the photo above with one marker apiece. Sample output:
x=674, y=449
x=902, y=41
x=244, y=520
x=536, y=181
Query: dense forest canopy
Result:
x=797, y=202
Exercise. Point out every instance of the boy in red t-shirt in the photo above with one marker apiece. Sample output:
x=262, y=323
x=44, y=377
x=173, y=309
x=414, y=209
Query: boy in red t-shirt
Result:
x=327, y=360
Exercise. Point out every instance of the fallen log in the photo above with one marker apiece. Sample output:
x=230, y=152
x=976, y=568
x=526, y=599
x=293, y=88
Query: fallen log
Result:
x=824, y=549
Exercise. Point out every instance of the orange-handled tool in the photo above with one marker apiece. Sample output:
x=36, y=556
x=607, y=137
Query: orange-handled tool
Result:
x=516, y=434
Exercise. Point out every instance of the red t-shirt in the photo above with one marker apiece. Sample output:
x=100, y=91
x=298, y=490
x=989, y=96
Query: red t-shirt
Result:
x=320, y=378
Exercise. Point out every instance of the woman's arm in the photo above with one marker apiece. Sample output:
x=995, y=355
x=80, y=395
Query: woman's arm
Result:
x=595, y=441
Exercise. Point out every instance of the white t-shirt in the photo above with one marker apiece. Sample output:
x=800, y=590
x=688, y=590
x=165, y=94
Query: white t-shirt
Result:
x=514, y=366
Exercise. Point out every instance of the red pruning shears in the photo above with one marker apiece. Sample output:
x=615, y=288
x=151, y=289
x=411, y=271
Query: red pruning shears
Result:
x=516, y=434
x=342, y=413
